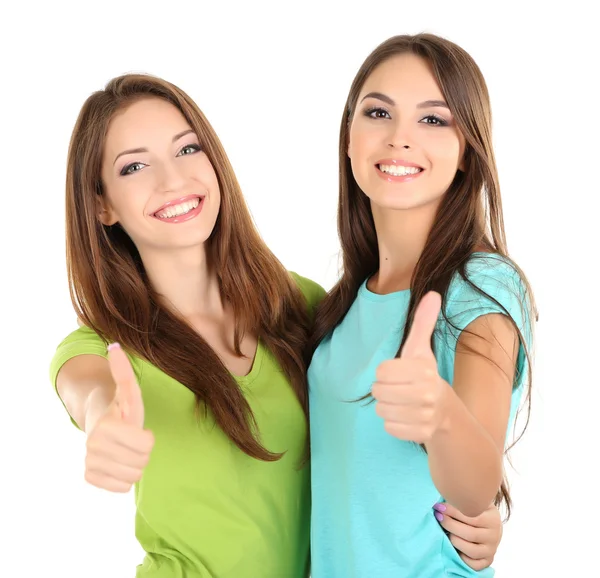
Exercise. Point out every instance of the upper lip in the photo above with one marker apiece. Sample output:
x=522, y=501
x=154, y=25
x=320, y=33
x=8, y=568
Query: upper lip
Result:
x=399, y=163
x=177, y=201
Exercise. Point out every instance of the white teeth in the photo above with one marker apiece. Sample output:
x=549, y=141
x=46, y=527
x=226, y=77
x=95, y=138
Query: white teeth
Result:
x=178, y=210
x=399, y=170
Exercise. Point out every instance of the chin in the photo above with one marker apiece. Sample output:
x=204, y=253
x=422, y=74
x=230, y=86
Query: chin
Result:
x=396, y=204
x=404, y=201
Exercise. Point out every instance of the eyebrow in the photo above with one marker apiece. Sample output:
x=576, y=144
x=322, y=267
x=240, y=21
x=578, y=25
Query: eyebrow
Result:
x=388, y=100
x=145, y=150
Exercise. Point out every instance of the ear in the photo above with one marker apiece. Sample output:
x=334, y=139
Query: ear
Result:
x=463, y=156
x=106, y=214
x=348, y=142
x=349, y=145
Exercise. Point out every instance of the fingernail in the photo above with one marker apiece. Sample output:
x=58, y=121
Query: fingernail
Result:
x=440, y=507
x=439, y=517
x=113, y=346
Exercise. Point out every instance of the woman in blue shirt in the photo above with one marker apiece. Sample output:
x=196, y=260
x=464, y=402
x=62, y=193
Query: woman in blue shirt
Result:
x=421, y=350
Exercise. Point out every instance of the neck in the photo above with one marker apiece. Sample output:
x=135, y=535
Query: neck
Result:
x=401, y=238
x=185, y=281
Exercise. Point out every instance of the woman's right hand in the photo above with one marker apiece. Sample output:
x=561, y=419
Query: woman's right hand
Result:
x=118, y=447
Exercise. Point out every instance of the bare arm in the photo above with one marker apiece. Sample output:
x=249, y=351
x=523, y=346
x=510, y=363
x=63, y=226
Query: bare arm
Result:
x=86, y=386
x=105, y=400
x=466, y=452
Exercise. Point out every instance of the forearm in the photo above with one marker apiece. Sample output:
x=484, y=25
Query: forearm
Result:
x=86, y=387
x=464, y=461
x=96, y=404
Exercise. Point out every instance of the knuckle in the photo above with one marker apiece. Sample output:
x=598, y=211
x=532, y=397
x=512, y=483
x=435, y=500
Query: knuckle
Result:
x=470, y=535
x=474, y=564
x=90, y=443
x=148, y=441
x=144, y=460
x=381, y=371
x=89, y=462
x=93, y=479
x=387, y=369
x=428, y=400
x=390, y=428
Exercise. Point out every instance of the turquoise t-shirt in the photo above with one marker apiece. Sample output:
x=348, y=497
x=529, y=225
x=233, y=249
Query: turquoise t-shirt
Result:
x=372, y=494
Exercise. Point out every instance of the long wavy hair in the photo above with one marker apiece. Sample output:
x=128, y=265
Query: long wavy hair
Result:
x=112, y=295
x=469, y=216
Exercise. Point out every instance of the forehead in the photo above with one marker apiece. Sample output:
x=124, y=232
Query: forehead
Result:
x=143, y=123
x=403, y=77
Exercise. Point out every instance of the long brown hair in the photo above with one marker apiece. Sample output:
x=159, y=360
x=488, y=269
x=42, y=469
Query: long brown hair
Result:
x=469, y=216
x=112, y=295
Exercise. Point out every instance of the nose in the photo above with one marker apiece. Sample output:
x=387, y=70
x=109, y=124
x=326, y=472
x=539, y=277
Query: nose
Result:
x=398, y=136
x=170, y=177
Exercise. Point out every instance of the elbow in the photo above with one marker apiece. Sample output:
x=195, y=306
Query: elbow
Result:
x=474, y=505
x=472, y=499
x=480, y=501
x=473, y=509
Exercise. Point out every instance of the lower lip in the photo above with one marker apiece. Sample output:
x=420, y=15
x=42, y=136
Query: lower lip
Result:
x=183, y=218
x=397, y=179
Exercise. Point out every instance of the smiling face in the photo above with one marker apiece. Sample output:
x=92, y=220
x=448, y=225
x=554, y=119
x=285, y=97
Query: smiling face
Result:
x=158, y=184
x=404, y=146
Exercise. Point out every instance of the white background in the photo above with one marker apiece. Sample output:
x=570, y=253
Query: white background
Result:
x=273, y=81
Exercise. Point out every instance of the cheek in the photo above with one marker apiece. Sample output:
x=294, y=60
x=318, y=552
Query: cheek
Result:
x=360, y=139
x=446, y=152
x=128, y=199
x=364, y=147
x=204, y=173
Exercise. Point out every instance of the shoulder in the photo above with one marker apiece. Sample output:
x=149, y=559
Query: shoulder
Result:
x=312, y=291
x=82, y=341
x=492, y=266
x=487, y=273
x=491, y=284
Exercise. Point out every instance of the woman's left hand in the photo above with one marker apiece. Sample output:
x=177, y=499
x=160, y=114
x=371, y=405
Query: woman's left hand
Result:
x=476, y=539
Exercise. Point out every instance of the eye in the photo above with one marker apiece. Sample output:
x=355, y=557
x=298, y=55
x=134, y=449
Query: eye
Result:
x=189, y=149
x=377, y=112
x=434, y=120
x=131, y=168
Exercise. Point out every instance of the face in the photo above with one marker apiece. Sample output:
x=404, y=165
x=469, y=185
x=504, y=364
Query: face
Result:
x=404, y=146
x=157, y=182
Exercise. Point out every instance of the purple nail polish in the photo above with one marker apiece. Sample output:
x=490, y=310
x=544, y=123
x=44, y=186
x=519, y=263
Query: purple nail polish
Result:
x=439, y=517
x=440, y=507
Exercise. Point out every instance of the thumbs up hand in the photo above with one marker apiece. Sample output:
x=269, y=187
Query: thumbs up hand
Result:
x=118, y=446
x=409, y=392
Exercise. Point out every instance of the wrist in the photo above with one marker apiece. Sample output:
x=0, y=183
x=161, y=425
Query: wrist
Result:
x=449, y=408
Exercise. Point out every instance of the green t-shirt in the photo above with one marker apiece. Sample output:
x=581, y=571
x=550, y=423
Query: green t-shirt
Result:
x=203, y=507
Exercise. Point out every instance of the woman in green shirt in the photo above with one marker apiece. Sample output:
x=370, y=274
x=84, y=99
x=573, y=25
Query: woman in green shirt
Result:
x=204, y=390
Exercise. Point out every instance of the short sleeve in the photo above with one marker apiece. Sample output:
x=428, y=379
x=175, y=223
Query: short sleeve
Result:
x=493, y=285
x=313, y=292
